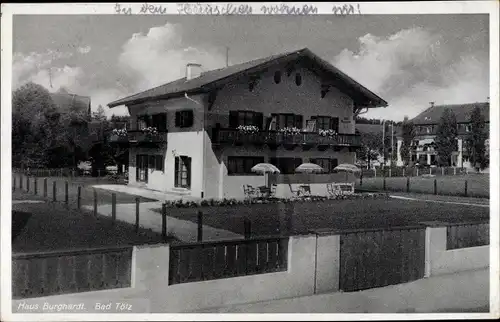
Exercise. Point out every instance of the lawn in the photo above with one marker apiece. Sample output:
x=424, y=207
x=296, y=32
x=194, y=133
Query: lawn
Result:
x=478, y=185
x=87, y=192
x=50, y=226
x=331, y=214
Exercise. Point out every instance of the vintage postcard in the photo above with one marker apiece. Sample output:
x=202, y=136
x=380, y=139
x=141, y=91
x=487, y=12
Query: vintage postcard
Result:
x=250, y=161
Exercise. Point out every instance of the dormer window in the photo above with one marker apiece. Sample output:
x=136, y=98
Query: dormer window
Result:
x=298, y=79
x=277, y=77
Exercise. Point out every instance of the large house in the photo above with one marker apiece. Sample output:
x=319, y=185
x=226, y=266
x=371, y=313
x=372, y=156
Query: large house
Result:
x=426, y=125
x=201, y=135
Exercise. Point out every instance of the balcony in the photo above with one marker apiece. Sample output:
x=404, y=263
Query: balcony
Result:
x=137, y=137
x=276, y=138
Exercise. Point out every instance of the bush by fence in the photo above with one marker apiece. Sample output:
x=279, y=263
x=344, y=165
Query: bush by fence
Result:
x=52, y=273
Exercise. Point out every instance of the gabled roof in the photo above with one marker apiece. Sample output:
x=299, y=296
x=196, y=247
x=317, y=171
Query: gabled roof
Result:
x=462, y=113
x=219, y=77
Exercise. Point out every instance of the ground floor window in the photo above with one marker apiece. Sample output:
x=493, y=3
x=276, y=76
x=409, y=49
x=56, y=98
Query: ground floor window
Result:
x=183, y=171
x=242, y=165
x=146, y=162
x=326, y=163
x=286, y=165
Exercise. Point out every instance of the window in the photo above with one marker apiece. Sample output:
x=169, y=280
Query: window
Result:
x=143, y=121
x=287, y=120
x=327, y=164
x=242, y=165
x=323, y=93
x=184, y=118
x=326, y=123
x=159, y=164
x=298, y=79
x=141, y=170
x=468, y=128
x=286, y=165
x=277, y=77
x=183, y=172
x=160, y=121
x=237, y=118
x=251, y=86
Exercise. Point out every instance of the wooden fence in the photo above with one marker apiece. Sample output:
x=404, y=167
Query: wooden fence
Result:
x=224, y=259
x=414, y=172
x=464, y=235
x=62, y=172
x=61, y=272
x=371, y=258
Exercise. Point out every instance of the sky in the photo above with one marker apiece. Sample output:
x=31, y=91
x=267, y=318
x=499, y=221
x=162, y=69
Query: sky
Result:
x=408, y=60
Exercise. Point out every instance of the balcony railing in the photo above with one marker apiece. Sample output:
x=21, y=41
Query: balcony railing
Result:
x=139, y=137
x=233, y=136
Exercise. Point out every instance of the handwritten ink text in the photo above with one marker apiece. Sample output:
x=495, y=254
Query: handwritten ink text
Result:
x=152, y=9
x=289, y=10
x=345, y=10
x=208, y=9
x=123, y=11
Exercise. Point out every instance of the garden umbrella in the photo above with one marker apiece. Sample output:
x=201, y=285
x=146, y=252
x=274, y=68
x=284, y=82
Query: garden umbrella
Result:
x=346, y=167
x=309, y=168
x=265, y=168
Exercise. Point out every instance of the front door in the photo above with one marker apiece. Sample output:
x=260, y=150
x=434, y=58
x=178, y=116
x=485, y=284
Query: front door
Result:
x=142, y=169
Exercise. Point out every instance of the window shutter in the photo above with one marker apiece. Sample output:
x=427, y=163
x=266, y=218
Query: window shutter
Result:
x=190, y=118
x=334, y=124
x=298, y=121
x=233, y=119
x=152, y=162
x=259, y=120
x=188, y=168
x=177, y=119
x=176, y=177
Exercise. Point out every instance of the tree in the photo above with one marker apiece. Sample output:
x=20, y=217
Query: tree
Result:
x=99, y=115
x=371, y=145
x=446, y=136
x=35, y=126
x=408, y=135
x=476, y=140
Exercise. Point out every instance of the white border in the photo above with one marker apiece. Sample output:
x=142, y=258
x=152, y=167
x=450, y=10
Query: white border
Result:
x=457, y=7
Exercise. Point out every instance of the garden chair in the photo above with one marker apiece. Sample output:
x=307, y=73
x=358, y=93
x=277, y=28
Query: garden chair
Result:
x=249, y=191
x=273, y=190
x=333, y=190
x=295, y=193
x=305, y=189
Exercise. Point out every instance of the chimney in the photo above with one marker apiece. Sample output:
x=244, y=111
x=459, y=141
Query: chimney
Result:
x=432, y=104
x=193, y=71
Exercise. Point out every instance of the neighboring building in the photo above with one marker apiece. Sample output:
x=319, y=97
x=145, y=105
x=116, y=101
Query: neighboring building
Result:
x=426, y=125
x=199, y=150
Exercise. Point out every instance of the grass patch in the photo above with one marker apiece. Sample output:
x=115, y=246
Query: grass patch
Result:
x=51, y=226
x=302, y=217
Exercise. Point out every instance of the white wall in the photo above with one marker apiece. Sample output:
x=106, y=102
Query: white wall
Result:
x=439, y=261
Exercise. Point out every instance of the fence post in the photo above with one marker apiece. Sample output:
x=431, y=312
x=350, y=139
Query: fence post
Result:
x=465, y=188
x=137, y=200
x=79, y=197
x=361, y=179
x=66, y=193
x=384, y=184
x=113, y=207
x=407, y=184
x=247, y=225
x=454, y=171
x=164, y=221
x=435, y=186
x=417, y=172
x=36, y=186
x=375, y=172
x=45, y=187
x=390, y=172
x=95, y=202
x=14, y=183
x=200, y=226
x=403, y=172
x=21, y=182
x=54, y=190
x=442, y=171
x=27, y=184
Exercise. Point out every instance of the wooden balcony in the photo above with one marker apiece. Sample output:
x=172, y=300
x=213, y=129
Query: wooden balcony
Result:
x=275, y=138
x=137, y=137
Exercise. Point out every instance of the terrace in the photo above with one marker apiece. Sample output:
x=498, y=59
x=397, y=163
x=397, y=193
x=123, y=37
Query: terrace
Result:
x=138, y=137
